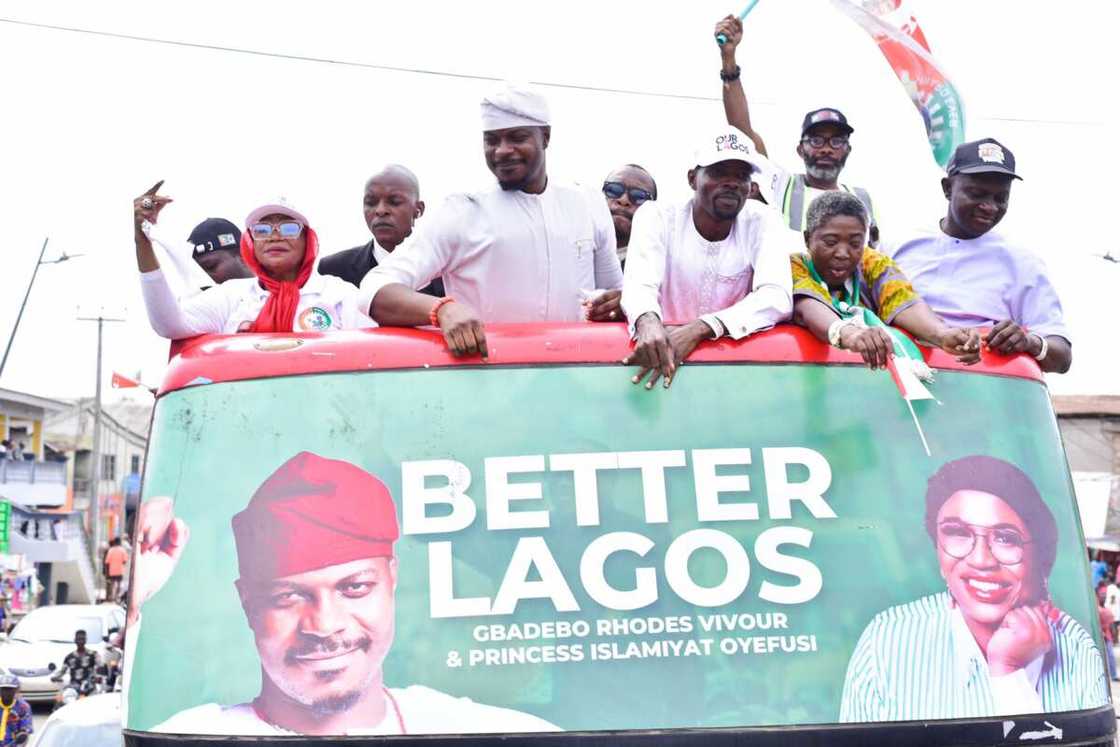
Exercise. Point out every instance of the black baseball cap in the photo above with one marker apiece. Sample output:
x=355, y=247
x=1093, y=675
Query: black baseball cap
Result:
x=987, y=156
x=826, y=116
x=214, y=234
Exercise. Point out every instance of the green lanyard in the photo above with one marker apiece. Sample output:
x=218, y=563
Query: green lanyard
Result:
x=903, y=345
x=850, y=301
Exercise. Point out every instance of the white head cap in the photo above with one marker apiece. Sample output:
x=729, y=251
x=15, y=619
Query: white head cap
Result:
x=279, y=207
x=727, y=144
x=513, y=105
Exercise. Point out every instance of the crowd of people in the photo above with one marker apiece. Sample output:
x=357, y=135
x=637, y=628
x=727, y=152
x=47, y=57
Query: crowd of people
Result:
x=753, y=247
x=1107, y=585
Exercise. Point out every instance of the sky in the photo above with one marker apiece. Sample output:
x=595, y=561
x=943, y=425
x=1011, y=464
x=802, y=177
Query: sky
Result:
x=89, y=121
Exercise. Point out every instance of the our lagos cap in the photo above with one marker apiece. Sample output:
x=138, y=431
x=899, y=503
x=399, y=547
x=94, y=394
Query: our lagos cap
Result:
x=727, y=144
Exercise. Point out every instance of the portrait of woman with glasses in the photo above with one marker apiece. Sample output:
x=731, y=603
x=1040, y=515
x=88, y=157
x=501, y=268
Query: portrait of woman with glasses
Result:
x=992, y=642
x=285, y=294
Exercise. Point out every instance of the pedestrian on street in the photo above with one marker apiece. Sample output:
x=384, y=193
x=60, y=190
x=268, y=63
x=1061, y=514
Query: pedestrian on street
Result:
x=1107, y=621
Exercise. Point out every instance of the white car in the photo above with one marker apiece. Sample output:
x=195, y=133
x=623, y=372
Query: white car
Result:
x=90, y=722
x=35, y=648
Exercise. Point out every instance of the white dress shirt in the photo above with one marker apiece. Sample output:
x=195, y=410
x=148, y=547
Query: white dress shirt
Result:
x=509, y=255
x=325, y=302
x=743, y=281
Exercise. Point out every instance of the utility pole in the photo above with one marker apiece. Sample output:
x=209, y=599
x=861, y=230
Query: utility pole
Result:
x=95, y=457
x=11, y=337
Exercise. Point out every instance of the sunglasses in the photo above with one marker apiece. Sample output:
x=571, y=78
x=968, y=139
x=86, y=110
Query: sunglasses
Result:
x=615, y=190
x=817, y=141
x=287, y=230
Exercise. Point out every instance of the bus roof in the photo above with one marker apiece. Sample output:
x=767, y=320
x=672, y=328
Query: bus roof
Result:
x=221, y=358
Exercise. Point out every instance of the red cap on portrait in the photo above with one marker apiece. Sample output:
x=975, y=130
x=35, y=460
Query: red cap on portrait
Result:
x=311, y=513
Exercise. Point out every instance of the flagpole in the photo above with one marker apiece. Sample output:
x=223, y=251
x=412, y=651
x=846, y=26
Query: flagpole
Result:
x=918, y=425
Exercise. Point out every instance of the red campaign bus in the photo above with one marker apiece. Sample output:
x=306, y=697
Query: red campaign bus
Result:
x=356, y=536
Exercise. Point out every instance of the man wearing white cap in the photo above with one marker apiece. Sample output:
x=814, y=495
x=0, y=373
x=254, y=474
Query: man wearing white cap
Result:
x=714, y=265
x=520, y=252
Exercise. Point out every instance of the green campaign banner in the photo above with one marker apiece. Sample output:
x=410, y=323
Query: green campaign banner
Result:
x=550, y=548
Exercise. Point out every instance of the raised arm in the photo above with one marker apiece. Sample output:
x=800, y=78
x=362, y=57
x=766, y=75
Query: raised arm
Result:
x=170, y=318
x=734, y=97
x=145, y=208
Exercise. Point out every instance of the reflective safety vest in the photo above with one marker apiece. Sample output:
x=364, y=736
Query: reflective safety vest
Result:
x=794, y=204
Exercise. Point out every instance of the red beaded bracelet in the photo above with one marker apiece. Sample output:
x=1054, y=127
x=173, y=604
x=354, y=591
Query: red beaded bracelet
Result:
x=433, y=315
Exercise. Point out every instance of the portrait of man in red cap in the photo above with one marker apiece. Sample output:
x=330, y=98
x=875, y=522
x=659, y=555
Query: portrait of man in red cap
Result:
x=317, y=582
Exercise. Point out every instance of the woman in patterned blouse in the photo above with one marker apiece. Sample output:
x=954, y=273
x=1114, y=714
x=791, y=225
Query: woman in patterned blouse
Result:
x=840, y=273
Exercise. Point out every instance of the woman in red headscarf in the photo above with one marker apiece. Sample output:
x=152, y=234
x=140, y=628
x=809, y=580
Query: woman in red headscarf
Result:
x=286, y=294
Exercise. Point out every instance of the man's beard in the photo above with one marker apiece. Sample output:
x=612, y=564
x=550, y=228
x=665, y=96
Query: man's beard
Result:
x=336, y=703
x=823, y=173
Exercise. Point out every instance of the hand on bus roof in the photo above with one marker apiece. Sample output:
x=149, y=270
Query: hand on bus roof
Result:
x=462, y=329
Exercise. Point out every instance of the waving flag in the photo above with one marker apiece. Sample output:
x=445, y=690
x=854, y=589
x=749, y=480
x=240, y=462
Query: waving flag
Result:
x=902, y=42
x=907, y=367
x=123, y=382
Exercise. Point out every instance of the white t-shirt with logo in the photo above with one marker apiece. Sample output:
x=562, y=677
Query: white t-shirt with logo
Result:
x=325, y=302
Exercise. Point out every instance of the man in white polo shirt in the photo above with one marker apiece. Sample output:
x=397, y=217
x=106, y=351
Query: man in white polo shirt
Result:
x=714, y=265
x=521, y=251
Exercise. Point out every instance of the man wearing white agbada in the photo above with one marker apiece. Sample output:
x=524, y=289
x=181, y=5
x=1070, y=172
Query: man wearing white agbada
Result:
x=715, y=265
x=521, y=251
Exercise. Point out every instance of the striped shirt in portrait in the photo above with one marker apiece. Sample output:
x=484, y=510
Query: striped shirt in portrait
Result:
x=918, y=661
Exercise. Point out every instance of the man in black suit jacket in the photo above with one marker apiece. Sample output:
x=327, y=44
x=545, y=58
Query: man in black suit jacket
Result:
x=391, y=205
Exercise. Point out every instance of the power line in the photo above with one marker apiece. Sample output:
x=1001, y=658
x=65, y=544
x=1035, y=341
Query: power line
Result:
x=444, y=73
x=348, y=63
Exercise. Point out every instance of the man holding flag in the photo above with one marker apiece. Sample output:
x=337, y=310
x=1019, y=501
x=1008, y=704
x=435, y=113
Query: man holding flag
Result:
x=824, y=145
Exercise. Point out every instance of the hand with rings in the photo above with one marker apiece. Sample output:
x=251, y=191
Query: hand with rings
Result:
x=147, y=206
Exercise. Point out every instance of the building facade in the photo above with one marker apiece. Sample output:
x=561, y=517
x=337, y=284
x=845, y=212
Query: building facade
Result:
x=1090, y=426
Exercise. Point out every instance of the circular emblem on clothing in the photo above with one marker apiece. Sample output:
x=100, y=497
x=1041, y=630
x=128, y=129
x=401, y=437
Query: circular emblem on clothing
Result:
x=314, y=319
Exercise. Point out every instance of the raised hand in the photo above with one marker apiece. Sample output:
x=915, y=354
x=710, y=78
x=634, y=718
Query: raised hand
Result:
x=147, y=206
x=731, y=28
x=160, y=540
